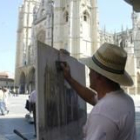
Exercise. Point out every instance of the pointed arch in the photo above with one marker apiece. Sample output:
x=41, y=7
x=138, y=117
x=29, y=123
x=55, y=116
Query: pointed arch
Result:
x=22, y=83
x=41, y=35
x=31, y=79
x=66, y=16
x=86, y=16
x=86, y=25
x=31, y=75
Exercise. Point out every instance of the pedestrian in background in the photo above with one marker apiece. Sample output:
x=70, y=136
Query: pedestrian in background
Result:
x=113, y=116
x=32, y=101
x=2, y=102
x=5, y=99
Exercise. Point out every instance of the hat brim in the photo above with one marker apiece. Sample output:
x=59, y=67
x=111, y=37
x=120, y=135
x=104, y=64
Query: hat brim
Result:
x=123, y=79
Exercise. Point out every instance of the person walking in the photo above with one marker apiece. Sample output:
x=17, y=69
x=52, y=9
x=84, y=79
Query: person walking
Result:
x=113, y=114
x=5, y=99
x=2, y=103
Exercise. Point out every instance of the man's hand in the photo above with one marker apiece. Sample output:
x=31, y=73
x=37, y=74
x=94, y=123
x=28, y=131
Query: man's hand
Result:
x=66, y=71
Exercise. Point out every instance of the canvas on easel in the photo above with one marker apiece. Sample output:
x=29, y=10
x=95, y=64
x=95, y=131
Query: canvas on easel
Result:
x=61, y=113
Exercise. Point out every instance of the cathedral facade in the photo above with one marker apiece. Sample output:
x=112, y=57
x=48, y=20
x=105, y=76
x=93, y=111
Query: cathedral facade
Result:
x=70, y=25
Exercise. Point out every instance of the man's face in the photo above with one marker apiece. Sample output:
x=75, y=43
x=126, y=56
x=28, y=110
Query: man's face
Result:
x=93, y=78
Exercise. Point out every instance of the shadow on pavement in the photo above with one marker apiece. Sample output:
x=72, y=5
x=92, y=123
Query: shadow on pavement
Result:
x=7, y=125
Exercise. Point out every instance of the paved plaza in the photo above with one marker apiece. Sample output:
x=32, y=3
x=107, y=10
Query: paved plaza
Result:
x=16, y=119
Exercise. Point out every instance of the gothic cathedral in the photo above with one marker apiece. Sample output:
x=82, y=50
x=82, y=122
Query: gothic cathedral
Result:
x=72, y=25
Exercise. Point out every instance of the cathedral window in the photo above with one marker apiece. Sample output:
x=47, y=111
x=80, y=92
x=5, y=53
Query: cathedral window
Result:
x=86, y=25
x=42, y=12
x=67, y=16
x=85, y=16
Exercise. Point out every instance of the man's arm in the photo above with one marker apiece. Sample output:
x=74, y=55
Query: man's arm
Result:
x=84, y=92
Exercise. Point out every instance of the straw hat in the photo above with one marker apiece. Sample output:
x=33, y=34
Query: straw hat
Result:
x=109, y=60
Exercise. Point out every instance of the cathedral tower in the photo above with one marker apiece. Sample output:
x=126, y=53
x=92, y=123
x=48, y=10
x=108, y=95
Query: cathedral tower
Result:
x=69, y=24
x=25, y=19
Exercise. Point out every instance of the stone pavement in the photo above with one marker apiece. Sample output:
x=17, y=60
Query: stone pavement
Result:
x=16, y=120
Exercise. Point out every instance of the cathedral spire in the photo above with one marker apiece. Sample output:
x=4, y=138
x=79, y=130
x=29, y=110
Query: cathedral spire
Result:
x=122, y=28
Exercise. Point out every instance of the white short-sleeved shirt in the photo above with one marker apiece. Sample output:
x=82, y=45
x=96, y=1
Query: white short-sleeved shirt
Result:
x=33, y=96
x=112, y=118
x=1, y=95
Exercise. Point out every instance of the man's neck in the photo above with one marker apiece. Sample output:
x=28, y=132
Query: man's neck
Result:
x=102, y=91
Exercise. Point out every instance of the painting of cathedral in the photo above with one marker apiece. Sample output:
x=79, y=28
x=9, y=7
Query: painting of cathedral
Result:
x=73, y=26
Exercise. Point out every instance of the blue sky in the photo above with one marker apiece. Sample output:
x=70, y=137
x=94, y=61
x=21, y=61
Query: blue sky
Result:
x=8, y=25
x=113, y=14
